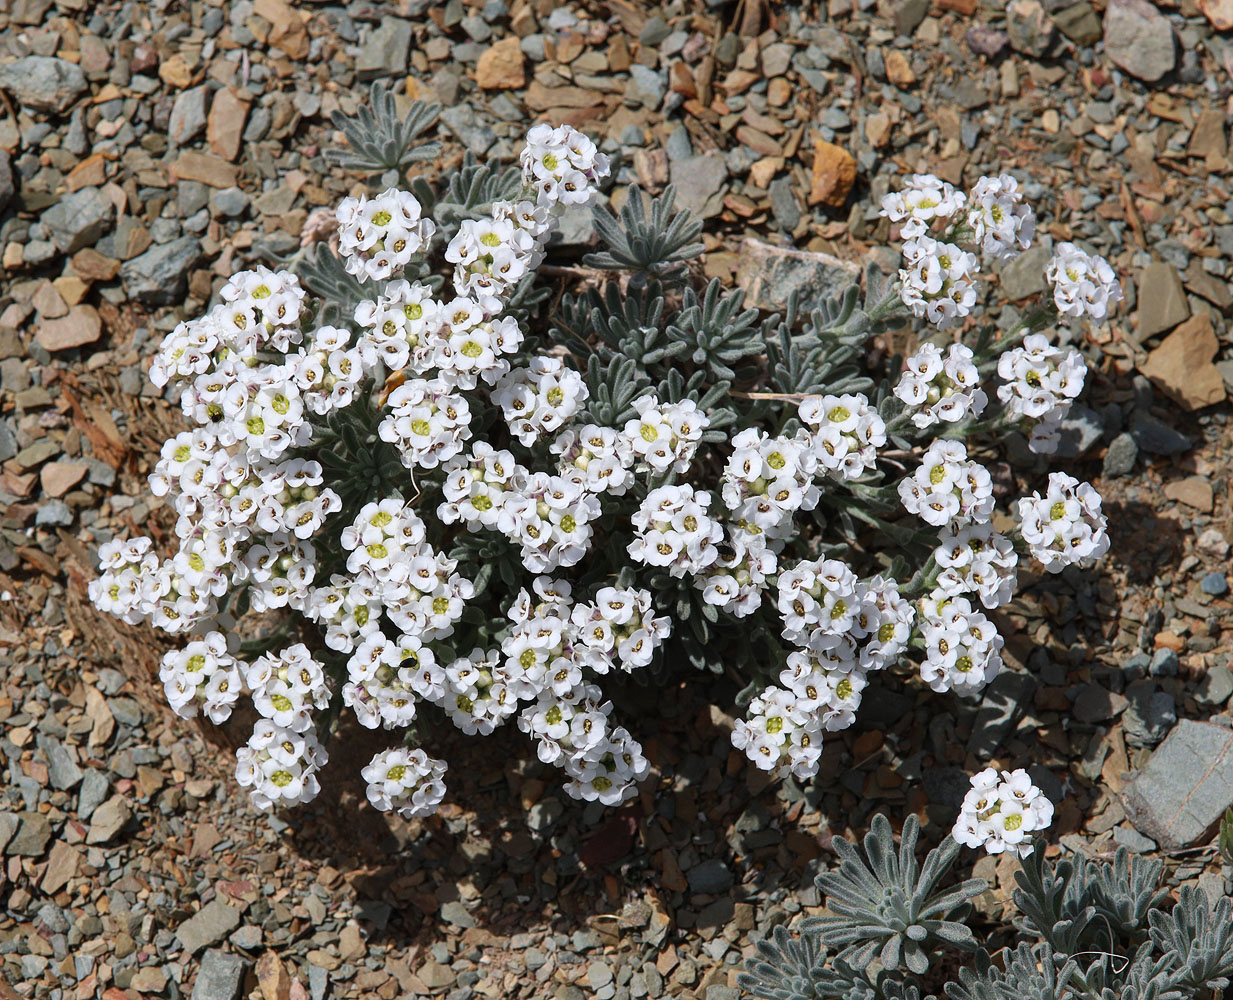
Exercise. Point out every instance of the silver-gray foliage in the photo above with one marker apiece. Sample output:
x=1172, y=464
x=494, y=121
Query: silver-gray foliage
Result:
x=1095, y=930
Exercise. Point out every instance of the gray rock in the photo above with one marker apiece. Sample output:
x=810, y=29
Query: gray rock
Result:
x=229, y=202
x=1079, y=432
x=1024, y=274
x=1164, y=663
x=208, y=926
x=318, y=982
x=43, y=83
x=1139, y=39
x=220, y=977
x=1186, y=786
x=1000, y=705
x=545, y=814
x=1216, y=584
x=55, y=513
x=945, y=785
x=1216, y=686
x=909, y=15
x=62, y=769
x=455, y=913
x=1149, y=715
x=7, y=188
x=716, y=992
x=31, y=837
x=386, y=51
x=1029, y=27
x=699, y=183
x=9, y=822
x=985, y=41
x=1096, y=704
x=79, y=219
x=1120, y=457
x=1079, y=23
x=159, y=277
x=192, y=197
x=1157, y=438
x=711, y=877
x=188, y=115
x=108, y=820
x=770, y=274
x=784, y=204
x=646, y=86
x=1133, y=840
x=1162, y=300
x=94, y=788
x=463, y=121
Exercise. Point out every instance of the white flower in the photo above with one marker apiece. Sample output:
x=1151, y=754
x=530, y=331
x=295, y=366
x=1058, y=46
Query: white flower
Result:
x=937, y=282
x=767, y=480
x=408, y=782
x=665, y=435
x=948, y=487
x=976, y=559
x=378, y=236
x=923, y=199
x=962, y=648
x=562, y=164
x=279, y=765
x=428, y=423
x=202, y=675
x=598, y=458
x=1083, y=283
x=939, y=387
x=1040, y=381
x=847, y=433
x=780, y=734
x=674, y=530
x=540, y=398
x=1064, y=527
x=1001, y=222
x=1000, y=816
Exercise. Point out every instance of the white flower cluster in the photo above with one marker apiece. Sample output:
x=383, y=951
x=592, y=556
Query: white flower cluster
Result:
x=947, y=487
x=923, y=199
x=941, y=387
x=1039, y=383
x=962, y=647
x=1001, y=812
x=1083, y=283
x=1000, y=220
x=203, y=675
x=845, y=628
x=540, y=398
x=497, y=441
x=664, y=436
x=1065, y=527
x=562, y=165
x=407, y=782
x=674, y=530
x=847, y=433
x=378, y=236
x=938, y=281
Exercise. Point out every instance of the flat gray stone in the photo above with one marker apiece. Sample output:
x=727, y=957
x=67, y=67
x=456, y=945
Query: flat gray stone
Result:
x=1095, y=704
x=770, y=274
x=1079, y=432
x=62, y=769
x=1162, y=300
x=9, y=822
x=699, y=183
x=465, y=123
x=79, y=219
x=31, y=837
x=646, y=87
x=1150, y=714
x=455, y=913
x=1121, y=456
x=1187, y=785
x=208, y=926
x=1157, y=438
x=159, y=277
x=386, y=51
x=1216, y=687
x=1139, y=39
x=7, y=188
x=108, y=820
x=188, y=115
x=1024, y=274
x=43, y=83
x=220, y=976
x=94, y=788
x=1000, y=705
x=712, y=877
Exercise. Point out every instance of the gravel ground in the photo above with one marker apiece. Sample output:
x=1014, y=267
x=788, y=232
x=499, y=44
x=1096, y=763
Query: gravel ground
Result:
x=147, y=151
